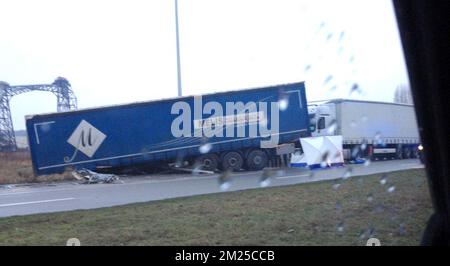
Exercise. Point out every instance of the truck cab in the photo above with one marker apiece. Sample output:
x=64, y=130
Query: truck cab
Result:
x=322, y=120
x=376, y=130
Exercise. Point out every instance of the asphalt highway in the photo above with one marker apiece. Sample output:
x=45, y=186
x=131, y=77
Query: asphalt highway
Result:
x=66, y=196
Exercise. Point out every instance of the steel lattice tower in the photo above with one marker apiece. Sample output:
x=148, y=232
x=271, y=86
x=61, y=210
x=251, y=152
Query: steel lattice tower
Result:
x=66, y=100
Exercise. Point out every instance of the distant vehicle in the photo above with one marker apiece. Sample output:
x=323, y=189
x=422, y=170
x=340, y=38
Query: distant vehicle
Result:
x=369, y=129
x=174, y=131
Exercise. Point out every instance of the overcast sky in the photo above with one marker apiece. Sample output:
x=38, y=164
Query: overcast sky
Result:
x=124, y=51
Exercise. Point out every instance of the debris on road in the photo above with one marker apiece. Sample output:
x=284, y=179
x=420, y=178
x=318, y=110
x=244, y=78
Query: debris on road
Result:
x=91, y=177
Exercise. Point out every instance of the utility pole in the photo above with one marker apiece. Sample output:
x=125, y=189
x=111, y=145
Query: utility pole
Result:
x=178, y=50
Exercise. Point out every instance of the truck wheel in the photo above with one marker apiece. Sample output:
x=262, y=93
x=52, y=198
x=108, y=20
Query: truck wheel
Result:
x=399, y=154
x=407, y=153
x=232, y=161
x=208, y=162
x=256, y=160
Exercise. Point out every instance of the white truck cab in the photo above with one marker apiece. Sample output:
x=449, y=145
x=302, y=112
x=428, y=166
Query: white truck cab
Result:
x=322, y=119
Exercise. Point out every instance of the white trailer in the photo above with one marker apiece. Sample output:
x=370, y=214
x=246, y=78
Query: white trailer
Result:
x=369, y=129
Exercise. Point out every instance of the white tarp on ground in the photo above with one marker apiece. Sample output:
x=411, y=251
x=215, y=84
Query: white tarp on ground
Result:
x=317, y=150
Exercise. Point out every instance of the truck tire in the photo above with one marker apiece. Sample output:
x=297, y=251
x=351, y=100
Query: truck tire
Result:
x=232, y=161
x=256, y=160
x=209, y=162
x=407, y=153
x=399, y=153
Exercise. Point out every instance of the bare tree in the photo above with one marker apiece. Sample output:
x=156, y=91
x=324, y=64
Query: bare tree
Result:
x=403, y=94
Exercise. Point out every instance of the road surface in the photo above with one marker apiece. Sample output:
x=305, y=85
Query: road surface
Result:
x=66, y=196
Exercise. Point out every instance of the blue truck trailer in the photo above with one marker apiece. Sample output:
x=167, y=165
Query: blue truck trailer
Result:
x=243, y=129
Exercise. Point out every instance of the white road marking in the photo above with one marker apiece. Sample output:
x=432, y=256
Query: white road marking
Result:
x=30, y=192
x=212, y=177
x=34, y=202
x=290, y=176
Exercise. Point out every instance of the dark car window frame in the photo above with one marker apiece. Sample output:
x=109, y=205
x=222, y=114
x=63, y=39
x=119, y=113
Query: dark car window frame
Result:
x=425, y=34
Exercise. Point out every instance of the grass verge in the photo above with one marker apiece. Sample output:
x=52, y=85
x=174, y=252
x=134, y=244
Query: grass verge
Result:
x=305, y=214
x=16, y=168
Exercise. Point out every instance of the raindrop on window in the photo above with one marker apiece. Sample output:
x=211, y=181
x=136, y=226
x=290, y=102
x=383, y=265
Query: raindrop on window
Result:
x=329, y=36
x=363, y=145
x=340, y=227
x=265, y=178
x=347, y=173
x=336, y=186
x=205, y=148
x=327, y=79
x=284, y=103
x=383, y=180
x=341, y=36
x=377, y=137
x=362, y=235
x=225, y=180
x=355, y=152
x=391, y=189
x=371, y=231
x=180, y=162
x=197, y=170
x=225, y=186
x=332, y=127
x=307, y=68
x=370, y=198
x=325, y=161
x=367, y=162
x=321, y=26
x=355, y=88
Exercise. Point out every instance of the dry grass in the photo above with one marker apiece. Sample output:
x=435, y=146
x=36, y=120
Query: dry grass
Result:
x=15, y=168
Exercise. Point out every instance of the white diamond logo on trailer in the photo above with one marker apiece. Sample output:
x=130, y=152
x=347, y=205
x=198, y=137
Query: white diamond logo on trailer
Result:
x=86, y=138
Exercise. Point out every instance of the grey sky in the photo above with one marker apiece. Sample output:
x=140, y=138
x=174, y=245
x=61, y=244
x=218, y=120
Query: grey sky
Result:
x=124, y=51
